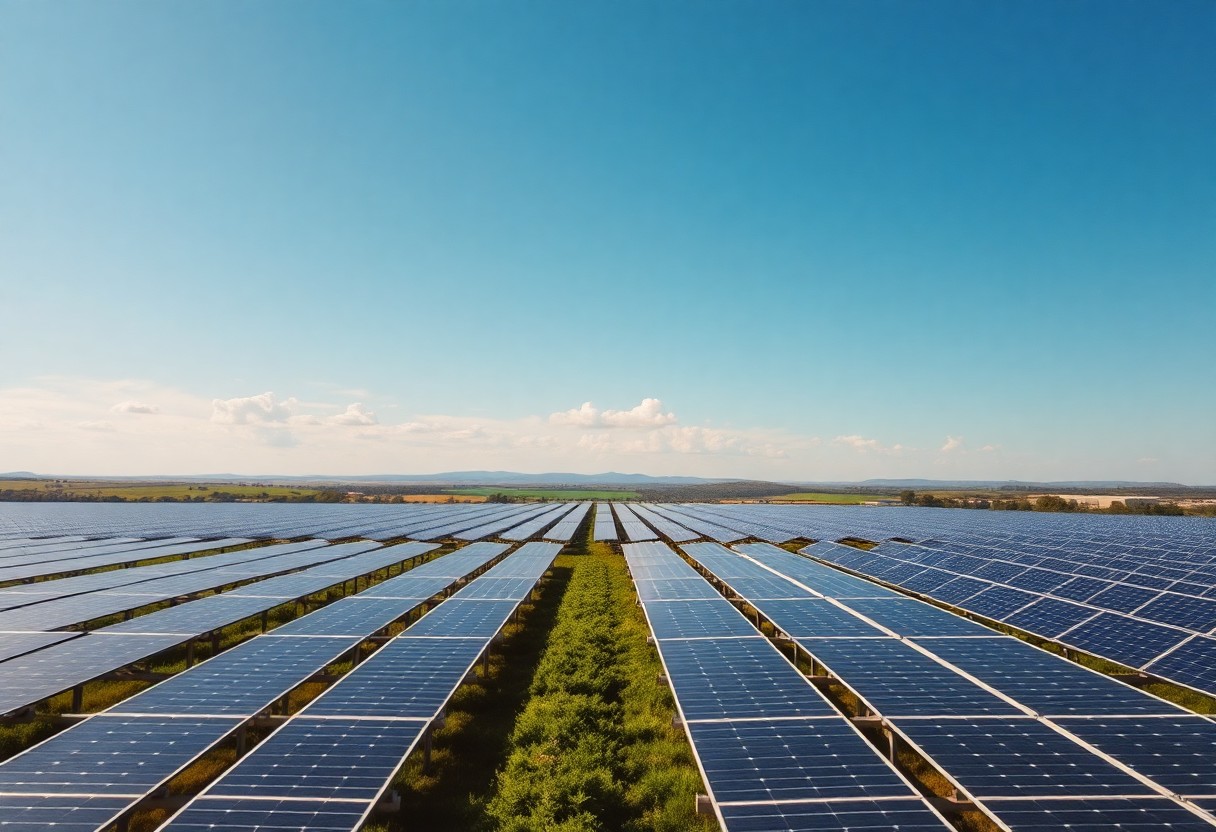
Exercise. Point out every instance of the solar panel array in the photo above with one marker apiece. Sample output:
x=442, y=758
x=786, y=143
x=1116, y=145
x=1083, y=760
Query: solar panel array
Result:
x=605, y=525
x=327, y=767
x=635, y=529
x=773, y=751
x=36, y=675
x=564, y=530
x=1011, y=726
x=1133, y=609
x=87, y=776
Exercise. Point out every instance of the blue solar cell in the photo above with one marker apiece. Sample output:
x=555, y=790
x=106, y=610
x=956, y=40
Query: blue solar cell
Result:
x=1049, y=616
x=697, y=619
x=1194, y=664
x=110, y=755
x=1136, y=814
x=909, y=617
x=1045, y=683
x=676, y=589
x=833, y=816
x=1038, y=580
x=928, y=581
x=44, y=813
x=1081, y=589
x=959, y=590
x=794, y=759
x=1197, y=614
x=243, y=680
x=739, y=677
x=1180, y=754
x=324, y=759
x=758, y=587
x=999, y=601
x=408, y=677
x=900, y=681
x=1017, y=758
x=807, y=617
x=233, y=814
x=458, y=617
x=1123, y=598
x=1123, y=639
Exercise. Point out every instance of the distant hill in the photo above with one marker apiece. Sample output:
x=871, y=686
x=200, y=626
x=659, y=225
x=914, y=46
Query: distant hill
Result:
x=1018, y=484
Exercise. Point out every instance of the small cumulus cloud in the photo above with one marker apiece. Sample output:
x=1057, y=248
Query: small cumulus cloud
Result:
x=1147, y=460
x=863, y=445
x=135, y=407
x=990, y=448
x=647, y=415
x=953, y=443
x=355, y=414
x=247, y=409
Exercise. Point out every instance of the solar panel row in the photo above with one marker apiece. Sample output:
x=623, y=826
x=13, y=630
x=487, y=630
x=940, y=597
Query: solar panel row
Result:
x=773, y=752
x=990, y=711
x=84, y=778
x=334, y=760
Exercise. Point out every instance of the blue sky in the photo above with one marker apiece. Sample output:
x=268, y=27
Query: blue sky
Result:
x=833, y=240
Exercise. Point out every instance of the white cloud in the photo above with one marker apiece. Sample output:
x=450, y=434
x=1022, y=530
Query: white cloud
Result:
x=355, y=414
x=648, y=415
x=135, y=407
x=990, y=448
x=863, y=445
x=953, y=443
x=1148, y=460
x=242, y=411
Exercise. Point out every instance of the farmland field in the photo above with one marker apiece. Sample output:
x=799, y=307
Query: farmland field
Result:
x=548, y=493
x=831, y=498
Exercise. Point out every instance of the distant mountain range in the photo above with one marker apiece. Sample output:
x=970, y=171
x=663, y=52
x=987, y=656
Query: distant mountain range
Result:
x=515, y=478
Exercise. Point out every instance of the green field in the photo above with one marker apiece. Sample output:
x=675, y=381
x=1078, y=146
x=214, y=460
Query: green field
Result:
x=547, y=493
x=152, y=491
x=834, y=499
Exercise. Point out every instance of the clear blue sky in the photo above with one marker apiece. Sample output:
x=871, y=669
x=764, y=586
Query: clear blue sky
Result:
x=815, y=224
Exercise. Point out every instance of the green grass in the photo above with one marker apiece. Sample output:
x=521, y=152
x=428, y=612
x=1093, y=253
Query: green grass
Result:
x=834, y=499
x=547, y=493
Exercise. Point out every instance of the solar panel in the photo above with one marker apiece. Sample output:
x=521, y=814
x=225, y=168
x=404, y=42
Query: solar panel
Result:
x=900, y=681
x=676, y=589
x=35, y=813
x=803, y=617
x=1045, y=683
x=1083, y=814
x=235, y=814
x=741, y=677
x=1050, y=616
x=832, y=816
x=408, y=677
x=1194, y=664
x=697, y=619
x=18, y=644
x=909, y=617
x=1017, y=758
x=463, y=617
x=322, y=759
x=1127, y=640
x=798, y=759
x=1179, y=753
x=351, y=616
x=242, y=680
x=109, y=755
